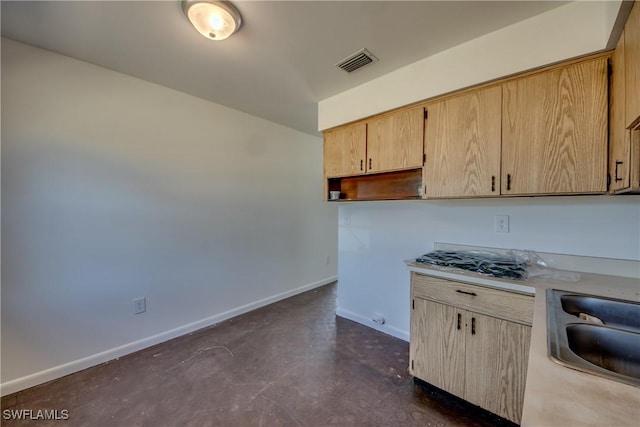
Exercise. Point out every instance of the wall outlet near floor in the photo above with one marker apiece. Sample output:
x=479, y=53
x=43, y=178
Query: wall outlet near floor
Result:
x=502, y=223
x=378, y=318
x=139, y=305
x=328, y=260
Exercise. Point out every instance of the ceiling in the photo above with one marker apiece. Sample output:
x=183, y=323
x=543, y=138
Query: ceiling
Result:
x=280, y=63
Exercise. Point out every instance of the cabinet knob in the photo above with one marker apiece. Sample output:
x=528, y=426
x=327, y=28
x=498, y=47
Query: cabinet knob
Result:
x=370, y=164
x=361, y=162
x=473, y=326
x=459, y=320
x=493, y=183
x=508, y=181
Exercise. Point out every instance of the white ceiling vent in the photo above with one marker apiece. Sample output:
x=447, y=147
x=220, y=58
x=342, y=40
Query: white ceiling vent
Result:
x=356, y=61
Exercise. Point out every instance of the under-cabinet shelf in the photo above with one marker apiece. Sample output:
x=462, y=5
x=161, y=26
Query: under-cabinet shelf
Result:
x=399, y=185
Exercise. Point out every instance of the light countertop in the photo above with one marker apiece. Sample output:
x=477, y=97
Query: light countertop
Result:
x=556, y=395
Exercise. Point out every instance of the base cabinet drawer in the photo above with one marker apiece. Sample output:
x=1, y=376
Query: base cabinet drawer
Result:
x=480, y=358
x=494, y=302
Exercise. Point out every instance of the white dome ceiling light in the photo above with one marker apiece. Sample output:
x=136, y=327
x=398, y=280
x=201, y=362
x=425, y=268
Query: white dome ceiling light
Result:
x=215, y=20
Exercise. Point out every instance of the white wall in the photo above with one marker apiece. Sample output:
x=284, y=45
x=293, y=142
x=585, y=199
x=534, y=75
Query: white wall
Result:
x=375, y=239
x=571, y=30
x=115, y=188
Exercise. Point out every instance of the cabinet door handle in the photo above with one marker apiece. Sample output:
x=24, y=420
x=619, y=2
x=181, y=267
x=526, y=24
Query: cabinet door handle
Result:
x=618, y=163
x=473, y=326
x=473, y=294
x=508, y=181
x=361, y=163
x=459, y=320
x=370, y=164
x=493, y=183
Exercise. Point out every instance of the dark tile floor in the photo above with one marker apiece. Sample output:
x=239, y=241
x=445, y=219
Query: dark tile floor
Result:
x=293, y=363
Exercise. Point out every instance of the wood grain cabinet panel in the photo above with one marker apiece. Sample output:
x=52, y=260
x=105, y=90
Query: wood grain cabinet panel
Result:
x=554, y=131
x=543, y=133
x=634, y=175
x=618, y=134
x=496, y=364
x=437, y=351
x=494, y=302
x=395, y=141
x=480, y=358
x=632, y=66
x=624, y=109
x=462, y=145
x=377, y=159
x=345, y=150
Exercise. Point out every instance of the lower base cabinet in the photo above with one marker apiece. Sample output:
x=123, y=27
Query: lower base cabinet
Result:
x=478, y=357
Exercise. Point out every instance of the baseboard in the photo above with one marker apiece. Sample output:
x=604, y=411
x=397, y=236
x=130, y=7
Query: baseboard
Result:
x=41, y=377
x=387, y=329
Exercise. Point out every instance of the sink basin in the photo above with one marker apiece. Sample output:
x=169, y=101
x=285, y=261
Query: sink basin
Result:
x=594, y=334
x=612, y=349
x=612, y=312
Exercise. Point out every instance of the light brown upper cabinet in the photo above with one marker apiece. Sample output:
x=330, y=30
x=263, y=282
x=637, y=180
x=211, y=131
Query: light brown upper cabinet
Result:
x=554, y=131
x=624, y=109
x=376, y=159
x=345, y=150
x=634, y=142
x=462, y=145
x=632, y=66
x=389, y=142
x=395, y=141
x=618, y=134
x=541, y=133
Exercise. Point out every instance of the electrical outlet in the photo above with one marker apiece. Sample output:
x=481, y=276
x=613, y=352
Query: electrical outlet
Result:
x=328, y=260
x=378, y=318
x=502, y=223
x=139, y=305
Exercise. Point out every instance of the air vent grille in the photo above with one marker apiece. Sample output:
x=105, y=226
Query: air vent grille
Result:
x=356, y=61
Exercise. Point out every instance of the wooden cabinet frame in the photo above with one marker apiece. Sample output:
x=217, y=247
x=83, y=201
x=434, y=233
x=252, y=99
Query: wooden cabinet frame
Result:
x=632, y=66
x=377, y=159
x=462, y=145
x=345, y=150
x=557, y=146
x=554, y=131
x=395, y=141
x=471, y=341
x=624, y=109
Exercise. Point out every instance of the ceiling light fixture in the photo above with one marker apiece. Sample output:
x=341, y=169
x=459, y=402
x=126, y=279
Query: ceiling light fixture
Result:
x=216, y=20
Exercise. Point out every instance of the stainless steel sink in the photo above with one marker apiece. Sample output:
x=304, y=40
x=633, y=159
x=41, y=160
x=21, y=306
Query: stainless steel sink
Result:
x=615, y=350
x=612, y=312
x=595, y=334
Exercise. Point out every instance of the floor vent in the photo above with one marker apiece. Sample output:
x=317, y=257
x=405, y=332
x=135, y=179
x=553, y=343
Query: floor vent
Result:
x=356, y=61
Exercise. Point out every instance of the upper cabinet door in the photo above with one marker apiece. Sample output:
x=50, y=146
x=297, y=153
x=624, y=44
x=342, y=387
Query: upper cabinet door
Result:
x=632, y=65
x=395, y=141
x=619, y=152
x=345, y=150
x=554, y=131
x=462, y=145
